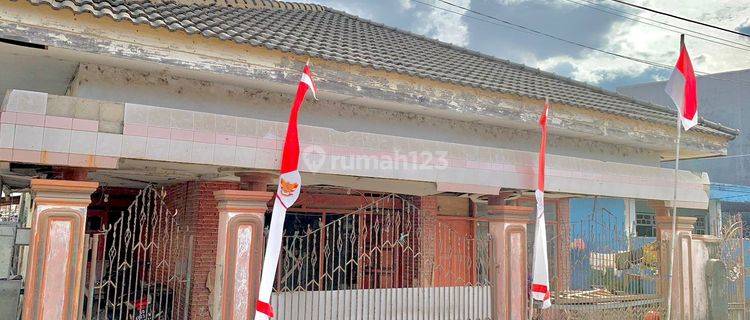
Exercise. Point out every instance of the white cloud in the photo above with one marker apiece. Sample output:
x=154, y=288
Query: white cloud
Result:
x=405, y=4
x=443, y=25
x=645, y=42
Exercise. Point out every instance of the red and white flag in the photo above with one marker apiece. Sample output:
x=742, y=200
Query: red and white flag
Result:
x=540, y=281
x=682, y=87
x=286, y=194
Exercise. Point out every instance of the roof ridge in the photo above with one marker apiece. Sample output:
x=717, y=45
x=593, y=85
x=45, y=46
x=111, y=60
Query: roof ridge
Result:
x=250, y=4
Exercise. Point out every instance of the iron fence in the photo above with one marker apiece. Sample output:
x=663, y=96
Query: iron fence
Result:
x=139, y=267
x=383, y=261
x=605, y=272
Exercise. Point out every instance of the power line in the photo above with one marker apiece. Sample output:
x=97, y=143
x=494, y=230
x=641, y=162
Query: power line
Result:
x=636, y=18
x=522, y=28
x=681, y=18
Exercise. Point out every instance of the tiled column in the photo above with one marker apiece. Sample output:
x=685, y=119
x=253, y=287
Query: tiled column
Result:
x=508, y=226
x=53, y=276
x=239, y=253
x=682, y=286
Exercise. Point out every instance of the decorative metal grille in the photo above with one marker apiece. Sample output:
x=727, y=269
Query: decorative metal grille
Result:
x=610, y=275
x=735, y=246
x=139, y=266
x=383, y=261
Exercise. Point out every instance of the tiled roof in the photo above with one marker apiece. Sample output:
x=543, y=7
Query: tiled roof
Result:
x=318, y=31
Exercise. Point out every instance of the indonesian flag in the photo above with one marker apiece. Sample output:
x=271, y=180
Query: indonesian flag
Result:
x=682, y=88
x=286, y=194
x=540, y=281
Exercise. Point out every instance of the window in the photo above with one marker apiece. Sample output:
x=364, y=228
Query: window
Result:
x=645, y=224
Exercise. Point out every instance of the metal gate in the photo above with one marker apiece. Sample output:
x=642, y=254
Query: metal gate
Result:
x=139, y=267
x=610, y=273
x=383, y=261
x=735, y=246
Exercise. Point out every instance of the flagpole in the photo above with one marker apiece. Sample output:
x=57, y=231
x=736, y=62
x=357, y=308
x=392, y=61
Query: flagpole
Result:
x=674, y=217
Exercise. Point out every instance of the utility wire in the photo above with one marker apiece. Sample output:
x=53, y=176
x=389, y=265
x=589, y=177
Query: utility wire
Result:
x=635, y=18
x=685, y=30
x=681, y=18
x=522, y=28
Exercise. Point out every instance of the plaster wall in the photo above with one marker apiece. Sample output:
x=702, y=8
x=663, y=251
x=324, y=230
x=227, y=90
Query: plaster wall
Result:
x=167, y=90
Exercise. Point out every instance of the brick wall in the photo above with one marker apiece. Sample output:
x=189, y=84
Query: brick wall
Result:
x=196, y=209
x=428, y=212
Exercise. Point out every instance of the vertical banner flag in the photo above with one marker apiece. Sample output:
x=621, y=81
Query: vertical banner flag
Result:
x=540, y=281
x=682, y=87
x=286, y=194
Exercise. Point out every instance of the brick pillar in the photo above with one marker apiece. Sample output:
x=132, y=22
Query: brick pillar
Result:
x=682, y=286
x=239, y=254
x=508, y=228
x=427, y=223
x=53, y=276
x=563, y=246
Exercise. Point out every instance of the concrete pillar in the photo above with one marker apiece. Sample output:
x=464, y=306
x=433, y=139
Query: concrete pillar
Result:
x=508, y=226
x=239, y=253
x=682, y=283
x=53, y=275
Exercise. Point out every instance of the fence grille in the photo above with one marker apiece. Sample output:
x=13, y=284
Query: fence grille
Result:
x=609, y=275
x=383, y=261
x=139, y=266
x=735, y=246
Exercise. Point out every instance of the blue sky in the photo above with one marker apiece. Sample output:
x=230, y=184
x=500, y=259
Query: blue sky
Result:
x=573, y=20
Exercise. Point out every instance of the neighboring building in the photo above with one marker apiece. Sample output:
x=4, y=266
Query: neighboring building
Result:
x=417, y=165
x=724, y=98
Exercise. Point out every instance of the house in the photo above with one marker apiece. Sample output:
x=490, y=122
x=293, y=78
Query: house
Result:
x=417, y=161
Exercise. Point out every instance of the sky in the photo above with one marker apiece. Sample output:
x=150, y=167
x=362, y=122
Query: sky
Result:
x=579, y=21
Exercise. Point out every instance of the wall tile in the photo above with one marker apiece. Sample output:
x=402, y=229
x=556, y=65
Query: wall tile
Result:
x=81, y=160
x=132, y=129
x=182, y=119
x=204, y=137
x=226, y=124
x=158, y=132
x=83, y=142
x=205, y=122
x=250, y=142
x=247, y=127
x=133, y=147
x=181, y=134
x=30, y=156
x=180, y=150
x=159, y=117
x=8, y=117
x=56, y=158
x=136, y=113
x=202, y=152
x=224, y=155
x=56, y=140
x=7, y=133
x=26, y=101
x=28, y=138
x=108, y=144
x=245, y=157
x=6, y=154
x=226, y=139
x=85, y=125
x=30, y=119
x=157, y=149
x=58, y=122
